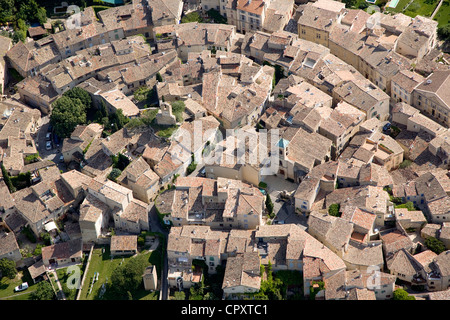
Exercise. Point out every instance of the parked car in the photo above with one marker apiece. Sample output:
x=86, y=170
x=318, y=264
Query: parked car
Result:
x=23, y=286
x=387, y=126
x=48, y=145
x=48, y=136
x=203, y=172
x=50, y=128
x=61, y=158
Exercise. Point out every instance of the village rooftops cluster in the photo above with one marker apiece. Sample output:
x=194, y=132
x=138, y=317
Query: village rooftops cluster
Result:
x=361, y=138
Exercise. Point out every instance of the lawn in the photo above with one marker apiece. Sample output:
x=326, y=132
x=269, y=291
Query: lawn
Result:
x=102, y=263
x=7, y=286
x=443, y=15
x=63, y=276
x=164, y=132
x=421, y=7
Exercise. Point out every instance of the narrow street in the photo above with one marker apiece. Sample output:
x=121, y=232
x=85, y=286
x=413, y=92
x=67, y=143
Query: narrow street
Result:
x=156, y=227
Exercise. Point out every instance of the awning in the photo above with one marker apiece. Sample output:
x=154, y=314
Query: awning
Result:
x=50, y=226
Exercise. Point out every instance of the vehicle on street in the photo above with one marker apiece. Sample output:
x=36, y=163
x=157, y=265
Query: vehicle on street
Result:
x=386, y=127
x=61, y=158
x=21, y=287
x=48, y=136
x=48, y=145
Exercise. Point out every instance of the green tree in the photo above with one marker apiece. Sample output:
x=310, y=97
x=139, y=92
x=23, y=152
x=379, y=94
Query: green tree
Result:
x=401, y=294
x=114, y=174
x=44, y=291
x=435, y=245
x=8, y=268
x=45, y=236
x=29, y=10
x=333, y=210
x=81, y=94
x=41, y=15
x=192, y=17
x=6, y=10
x=7, y=180
x=269, y=206
x=117, y=120
x=67, y=113
x=38, y=250
x=192, y=166
x=128, y=277
x=444, y=32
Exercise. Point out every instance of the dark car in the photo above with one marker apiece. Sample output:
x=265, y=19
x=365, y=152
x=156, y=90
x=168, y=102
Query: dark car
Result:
x=387, y=126
x=50, y=128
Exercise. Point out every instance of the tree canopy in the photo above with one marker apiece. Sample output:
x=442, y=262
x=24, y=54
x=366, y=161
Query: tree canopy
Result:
x=67, y=113
x=435, y=245
x=82, y=95
x=44, y=291
x=401, y=294
x=444, y=32
x=8, y=268
x=26, y=10
x=333, y=210
x=128, y=277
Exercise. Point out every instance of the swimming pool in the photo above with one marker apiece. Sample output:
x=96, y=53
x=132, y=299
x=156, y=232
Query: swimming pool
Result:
x=393, y=3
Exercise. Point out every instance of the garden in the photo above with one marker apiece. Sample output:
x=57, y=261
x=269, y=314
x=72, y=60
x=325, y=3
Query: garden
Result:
x=120, y=278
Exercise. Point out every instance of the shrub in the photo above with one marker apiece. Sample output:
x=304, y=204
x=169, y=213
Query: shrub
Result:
x=191, y=168
x=435, y=245
x=263, y=185
x=7, y=180
x=401, y=294
x=45, y=236
x=114, y=174
x=333, y=210
x=32, y=158
x=192, y=17
x=8, y=268
x=409, y=205
x=405, y=164
x=29, y=234
x=269, y=206
x=141, y=240
x=444, y=32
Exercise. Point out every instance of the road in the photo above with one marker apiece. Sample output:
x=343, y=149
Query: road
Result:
x=156, y=227
x=40, y=140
